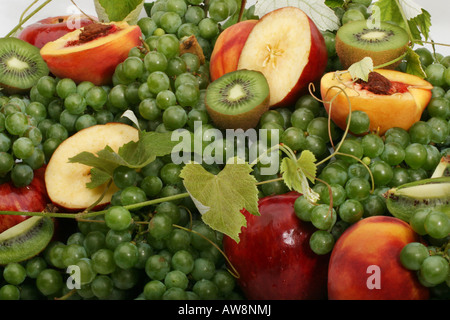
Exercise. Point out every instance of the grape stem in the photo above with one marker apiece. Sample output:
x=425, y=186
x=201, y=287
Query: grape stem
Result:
x=23, y=20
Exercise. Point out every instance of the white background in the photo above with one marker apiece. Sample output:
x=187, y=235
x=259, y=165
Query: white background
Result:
x=10, y=11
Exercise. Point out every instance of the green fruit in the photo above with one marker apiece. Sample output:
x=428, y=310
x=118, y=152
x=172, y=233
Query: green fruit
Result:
x=403, y=201
x=25, y=240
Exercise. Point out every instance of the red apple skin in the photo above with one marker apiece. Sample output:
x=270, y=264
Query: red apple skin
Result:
x=273, y=257
x=32, y=198
x=228, y=47
x=313, y=71
x=374, y=241
x=50, y=29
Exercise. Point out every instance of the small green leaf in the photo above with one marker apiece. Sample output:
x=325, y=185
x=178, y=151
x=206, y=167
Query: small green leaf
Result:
x=220, y=198
x=361, y=69
x=296, y=173
x=413, y=64
x=98, y=178
x=119, y=10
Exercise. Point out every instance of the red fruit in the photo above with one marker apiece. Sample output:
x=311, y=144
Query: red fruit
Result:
x=32, y=198
x=273, y=258
x=52, y=28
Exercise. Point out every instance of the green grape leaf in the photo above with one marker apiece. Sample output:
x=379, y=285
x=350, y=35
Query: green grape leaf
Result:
x=361, y=69
x=134, y=154
x=119, y=10
x=322, y=15
x=413, y=64
x=220, y=198
x=296, y=173
x=335, y=3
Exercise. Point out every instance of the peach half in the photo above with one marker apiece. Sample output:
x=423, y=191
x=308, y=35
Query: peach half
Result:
x=401, y=107
x=91, y=53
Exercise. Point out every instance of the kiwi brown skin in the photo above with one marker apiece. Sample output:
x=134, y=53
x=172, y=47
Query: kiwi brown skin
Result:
x=244, y=120
x=351, y=53
x=20, y=81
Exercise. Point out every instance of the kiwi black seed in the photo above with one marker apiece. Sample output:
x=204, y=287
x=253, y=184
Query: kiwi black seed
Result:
x=383, y=43
x=238, y=99
x=21, y=65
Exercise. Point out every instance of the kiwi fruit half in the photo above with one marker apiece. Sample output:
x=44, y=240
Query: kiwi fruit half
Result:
x=25, y=239
x=21, y=65
x=357, y=39
x=238, y=99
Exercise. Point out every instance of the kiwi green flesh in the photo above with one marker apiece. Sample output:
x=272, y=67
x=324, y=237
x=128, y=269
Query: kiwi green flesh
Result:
x=237, y=92
x=21, y=65
x=25, y=239
x=386, y=37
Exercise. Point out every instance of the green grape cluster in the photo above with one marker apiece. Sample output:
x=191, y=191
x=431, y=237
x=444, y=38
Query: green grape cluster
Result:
x=22, y=143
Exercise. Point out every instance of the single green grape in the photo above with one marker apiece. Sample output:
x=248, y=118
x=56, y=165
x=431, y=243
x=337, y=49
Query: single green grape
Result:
x=413, y=254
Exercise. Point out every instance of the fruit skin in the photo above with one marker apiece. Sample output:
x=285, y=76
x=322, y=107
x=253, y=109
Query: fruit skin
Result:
x=228, y=47
x=66, y=182
x=52, y=28
x=304, y=58
x=373, y=242
x=273, y=257
x=32, y=198
x=385, y=111
x=94, y=61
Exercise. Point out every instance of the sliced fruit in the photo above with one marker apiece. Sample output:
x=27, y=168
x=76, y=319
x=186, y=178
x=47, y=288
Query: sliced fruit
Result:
x=238, y=99
x=25, y=240
x=66, y=182
x=21, y=65
x=228, y=48
x=393, y=99
x=406, y=199
x=286, y=46
x=356, y=40
x=91, y=53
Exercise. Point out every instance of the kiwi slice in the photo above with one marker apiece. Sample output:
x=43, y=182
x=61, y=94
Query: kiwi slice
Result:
x=21, y=65
x=26, y=239
x=356, y=40
x=238, y=99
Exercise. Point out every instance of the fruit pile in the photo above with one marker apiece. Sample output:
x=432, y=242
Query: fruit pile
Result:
x=94, y=204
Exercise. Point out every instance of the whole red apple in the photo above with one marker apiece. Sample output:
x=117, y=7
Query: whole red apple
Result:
x=32, y=198
x=52, y=28
x=273, y=257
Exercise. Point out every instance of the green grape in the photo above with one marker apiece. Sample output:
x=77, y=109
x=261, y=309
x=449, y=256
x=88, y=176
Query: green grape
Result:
x=415, y=155
x=412, y=255
x=75, y=103
x=170, y=22
x=425, y=56
x=72, y=253
x=46, y=86
x=34, y=266
x=183, y=261
x=434, y=269
x=116, y=97
x=439, y=107
x=168, y=45
x=165, y=99
x=176, y=279
x=9, y=292
x=321, y=242
x=417, y=221
x=338, y=195
x=175, y=67
x=85, y=121
x=147, y=25
x=382, y=172
x=154, y=290
x=393, y=153
x=206, y=289
x=194, y=14
x=103, y=261
x=420, y=132
x=94, y=241
x=203, y=269
x=155, y=61
x=437, y=224
x=400, y=176
x=219, y=10
x=360, y=122
x=65, y=87
x=87, y=274
x=57, y=131
x=158, y=81
x=309, y=102
x=316, y=145
x=351, y=211
x=350, y=147
x=188, y=29
x=187, y=94
x=21, y=175
x=440, y=129
x=435, y=74
x=374, y=205
x=319, y=127
x=124, y=176
x=334, y=174
x=118, y=218
x=23, y=148
x=16, y=123
x=352, y=15
x=36, y=110
x=14, y=273
x=83, y=87
x=160, y=226
x=357, y=188
x=49, y=282
x=178, y=240
x=399, y=135
x=208, y=28
x=322, y=217
x=126, y=255
x=294, y=138
x=102, y=286
x=157, y=267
